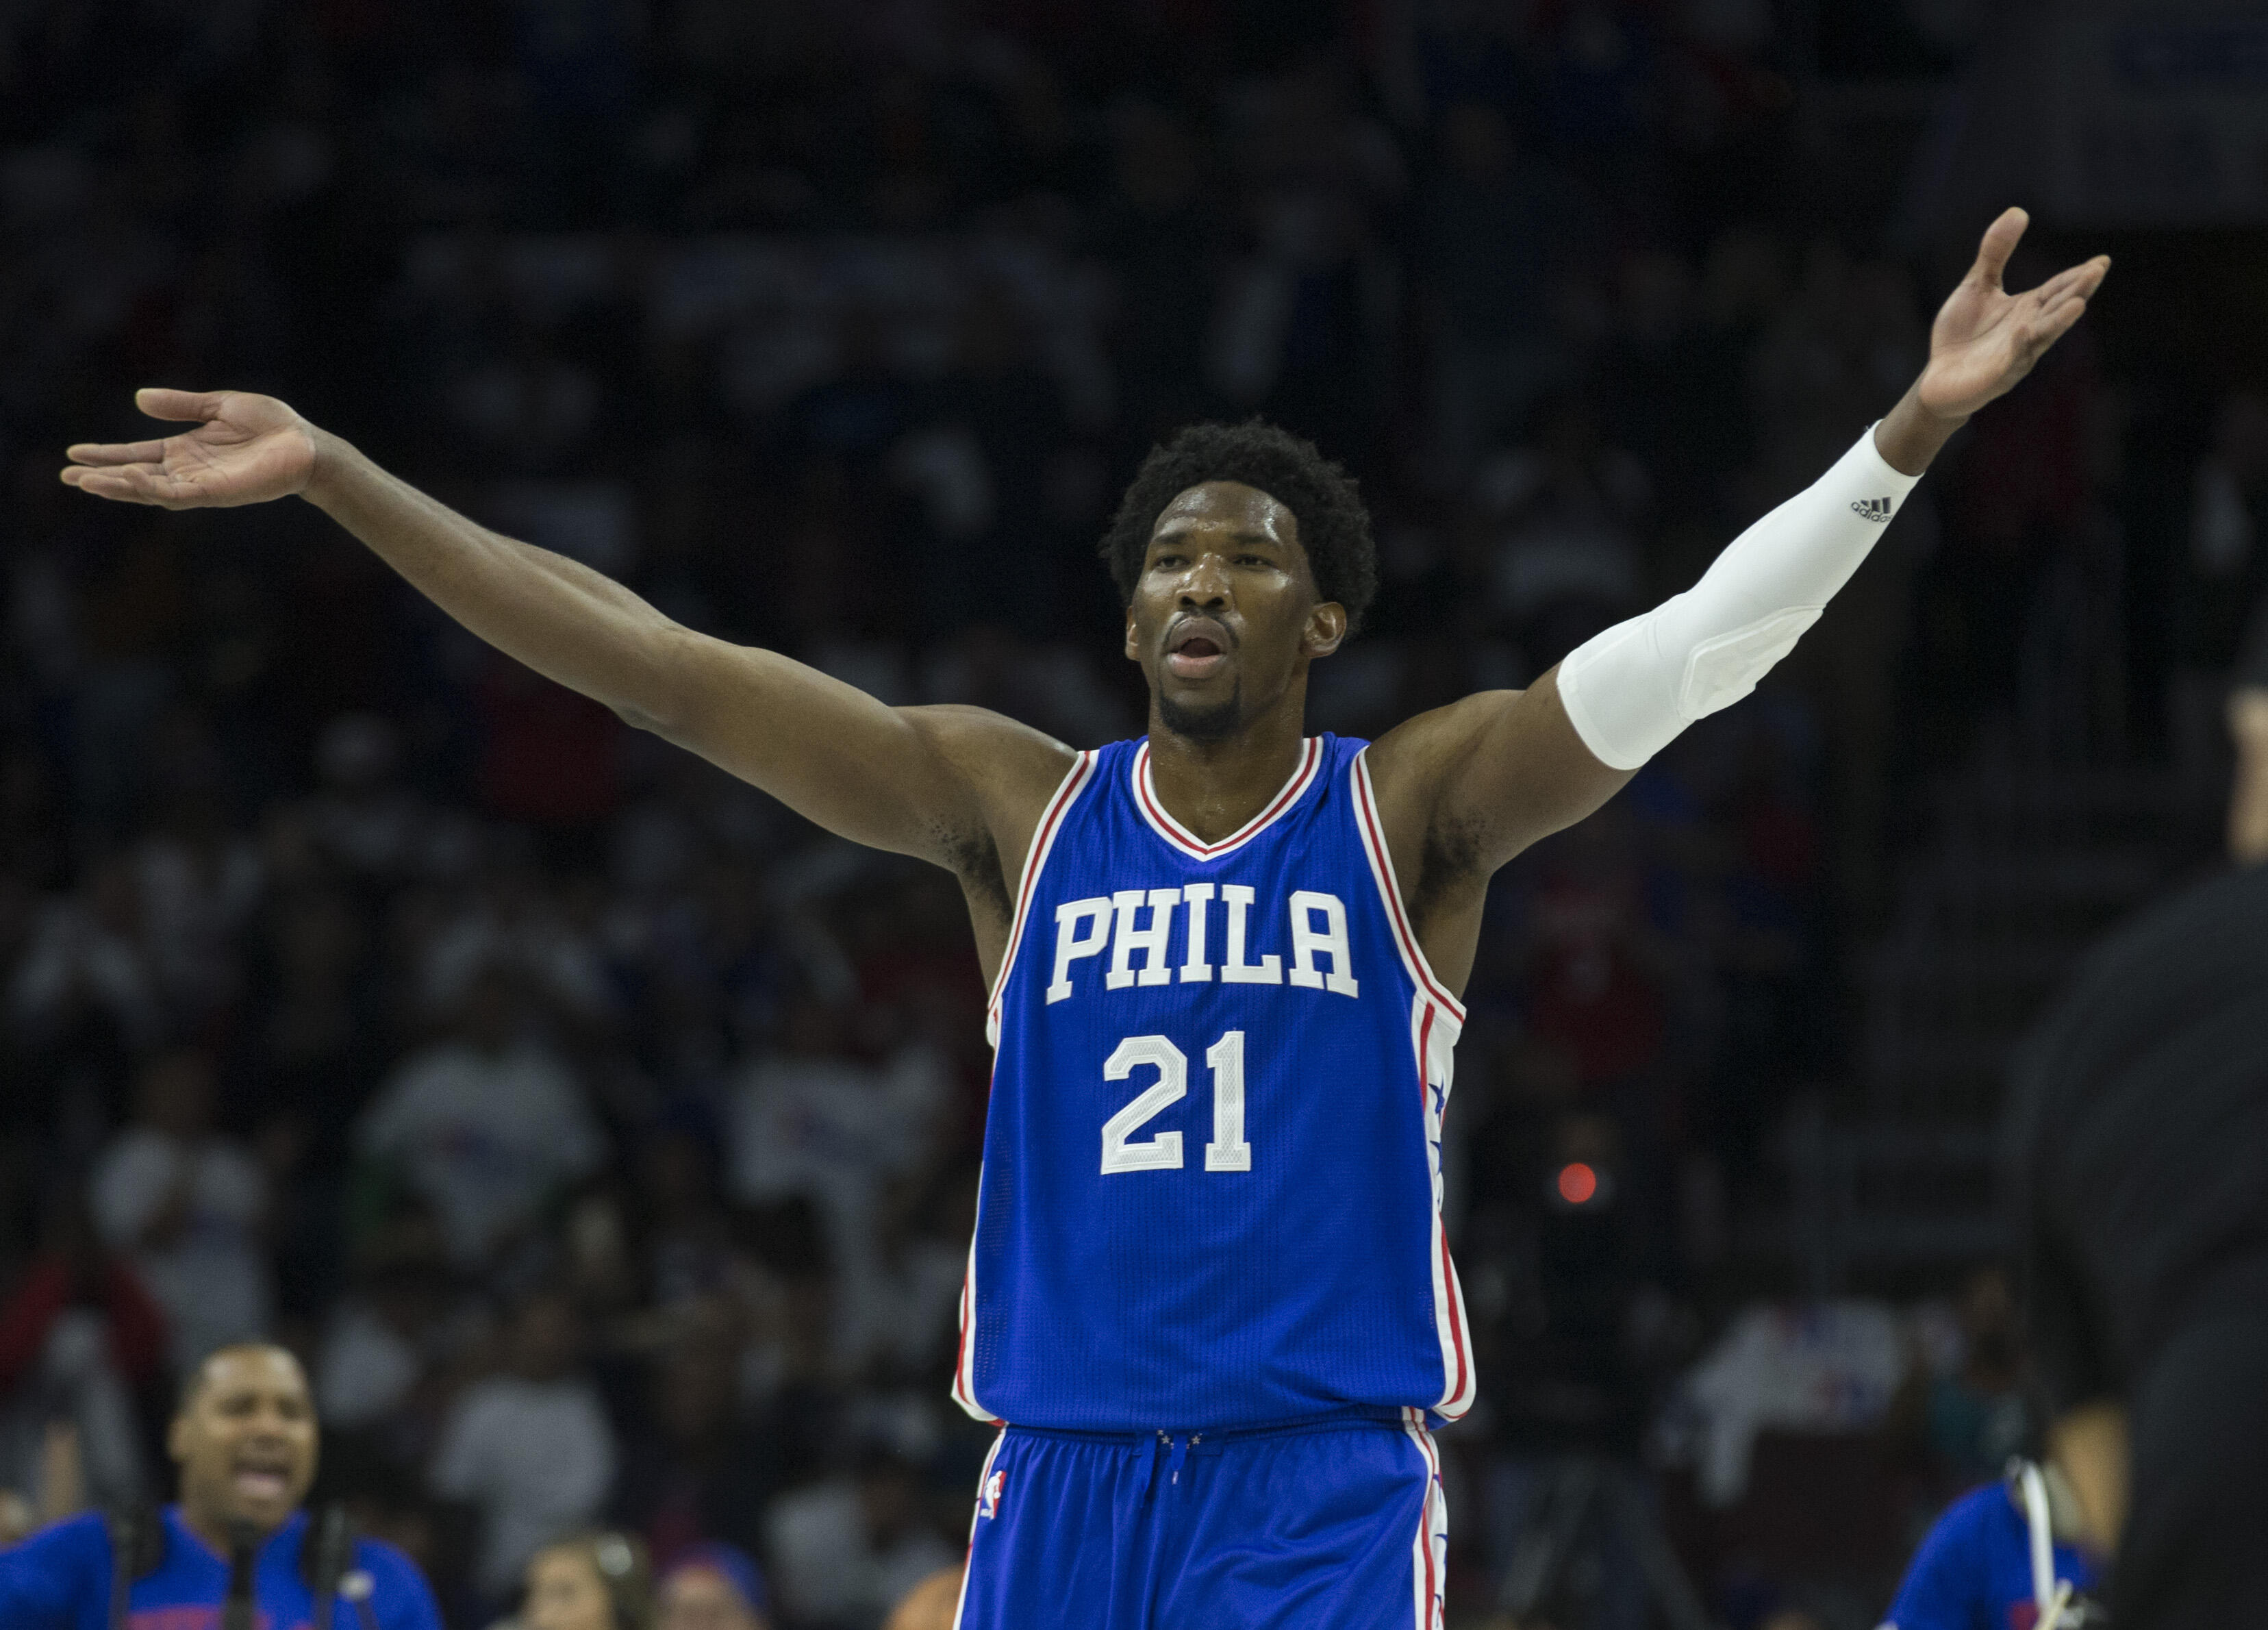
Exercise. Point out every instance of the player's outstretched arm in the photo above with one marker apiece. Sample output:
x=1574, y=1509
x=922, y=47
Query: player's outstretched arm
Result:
x=1481, y=779
x=949, y=785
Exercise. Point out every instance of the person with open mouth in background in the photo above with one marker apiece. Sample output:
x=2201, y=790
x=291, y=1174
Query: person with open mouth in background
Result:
x=246, y=1439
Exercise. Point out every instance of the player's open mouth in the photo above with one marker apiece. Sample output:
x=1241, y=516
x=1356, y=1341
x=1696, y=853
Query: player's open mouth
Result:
x=262, y=1481
x=1196, y=649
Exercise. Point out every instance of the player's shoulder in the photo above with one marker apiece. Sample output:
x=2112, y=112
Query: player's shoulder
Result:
x=1426, y=745
x=1449, y=725
x=1008, y=768
x=990, y=745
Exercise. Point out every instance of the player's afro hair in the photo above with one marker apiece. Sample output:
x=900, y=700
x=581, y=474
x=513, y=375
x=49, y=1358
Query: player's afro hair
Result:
x=1334, y=526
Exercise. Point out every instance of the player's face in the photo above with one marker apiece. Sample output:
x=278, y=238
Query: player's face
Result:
x=1225, y=617
x=246, y=1443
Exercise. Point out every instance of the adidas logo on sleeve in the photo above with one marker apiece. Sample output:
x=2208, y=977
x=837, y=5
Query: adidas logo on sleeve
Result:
x=1876, y=509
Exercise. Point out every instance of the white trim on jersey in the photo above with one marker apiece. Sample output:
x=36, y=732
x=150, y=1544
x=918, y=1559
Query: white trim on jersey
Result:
x=1043, y=838
x=1429, y=1552
x=1436, y=1020
x=1162, y=822
x=1433, y=1045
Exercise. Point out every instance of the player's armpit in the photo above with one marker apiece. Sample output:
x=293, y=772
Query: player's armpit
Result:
x=1465, y=787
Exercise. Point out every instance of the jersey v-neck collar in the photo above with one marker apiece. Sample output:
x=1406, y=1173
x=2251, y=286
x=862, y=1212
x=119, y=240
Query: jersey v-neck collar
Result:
x=1153, y=808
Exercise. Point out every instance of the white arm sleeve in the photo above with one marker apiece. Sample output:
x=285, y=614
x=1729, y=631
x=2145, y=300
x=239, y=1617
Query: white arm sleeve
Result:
x=1629, y=690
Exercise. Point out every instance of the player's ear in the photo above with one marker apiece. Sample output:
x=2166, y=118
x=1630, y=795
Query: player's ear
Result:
x=1327, y=628
x=1133, y=640
x=177, y=1438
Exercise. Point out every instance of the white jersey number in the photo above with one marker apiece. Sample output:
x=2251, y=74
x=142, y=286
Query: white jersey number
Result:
x=1162, y=1151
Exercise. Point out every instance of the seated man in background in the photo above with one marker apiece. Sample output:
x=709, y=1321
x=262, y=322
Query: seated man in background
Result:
x=245, y=1440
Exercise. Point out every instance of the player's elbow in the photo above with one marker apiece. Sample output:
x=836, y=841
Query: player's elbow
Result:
x=660, y=688
x=638, y=718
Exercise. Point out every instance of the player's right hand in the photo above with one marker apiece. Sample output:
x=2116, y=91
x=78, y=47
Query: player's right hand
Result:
x=246, y=449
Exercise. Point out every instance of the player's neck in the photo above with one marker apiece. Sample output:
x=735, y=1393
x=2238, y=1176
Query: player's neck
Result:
x=1215, y=787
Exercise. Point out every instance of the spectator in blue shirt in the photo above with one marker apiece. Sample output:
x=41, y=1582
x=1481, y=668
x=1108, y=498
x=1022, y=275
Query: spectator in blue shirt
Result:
x=1993, y=1561
x=245, y=1438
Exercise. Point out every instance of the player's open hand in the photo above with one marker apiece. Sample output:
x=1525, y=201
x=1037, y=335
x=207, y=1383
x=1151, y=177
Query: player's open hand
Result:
x=1985, y=339
x=246, y=449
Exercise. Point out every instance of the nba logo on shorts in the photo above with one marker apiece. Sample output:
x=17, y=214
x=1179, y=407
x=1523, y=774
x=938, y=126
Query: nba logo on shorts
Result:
x=992, y=1493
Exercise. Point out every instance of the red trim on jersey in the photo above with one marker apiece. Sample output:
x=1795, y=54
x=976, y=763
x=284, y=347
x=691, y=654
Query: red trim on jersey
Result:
x=1373, y=840
x=1414, y=1424
x=1175, y=833
x=1457, y=1325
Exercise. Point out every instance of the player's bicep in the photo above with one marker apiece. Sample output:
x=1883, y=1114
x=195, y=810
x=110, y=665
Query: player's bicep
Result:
x=829, y=752
x=1500, y=769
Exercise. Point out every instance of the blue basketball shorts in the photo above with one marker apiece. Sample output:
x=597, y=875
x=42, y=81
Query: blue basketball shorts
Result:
x=1336, y=1524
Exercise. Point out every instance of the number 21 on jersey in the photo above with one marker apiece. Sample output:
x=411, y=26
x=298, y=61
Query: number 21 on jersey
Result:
x=1162, y=1151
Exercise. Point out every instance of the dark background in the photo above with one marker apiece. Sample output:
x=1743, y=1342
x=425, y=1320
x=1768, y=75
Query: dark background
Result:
x=838, y=330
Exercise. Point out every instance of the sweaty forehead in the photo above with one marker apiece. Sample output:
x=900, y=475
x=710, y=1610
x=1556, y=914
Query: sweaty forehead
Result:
x=1227, y=505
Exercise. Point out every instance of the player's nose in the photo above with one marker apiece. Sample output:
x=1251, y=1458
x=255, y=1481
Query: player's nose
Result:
x=1204, y=585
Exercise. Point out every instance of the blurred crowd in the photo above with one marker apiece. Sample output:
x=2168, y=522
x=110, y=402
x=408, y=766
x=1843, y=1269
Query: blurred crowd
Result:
x=603, y=1135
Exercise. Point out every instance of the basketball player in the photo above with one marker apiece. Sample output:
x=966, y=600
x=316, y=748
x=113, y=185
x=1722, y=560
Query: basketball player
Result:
x=1209, y=1294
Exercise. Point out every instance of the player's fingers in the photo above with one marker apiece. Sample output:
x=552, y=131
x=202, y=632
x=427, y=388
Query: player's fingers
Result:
x=116, y=452
x=2057, y=322
x=2050, y=326
x=108, y=484
x=1999, y=242
x=2081, y=280
x=150, y=485
x=161, y=404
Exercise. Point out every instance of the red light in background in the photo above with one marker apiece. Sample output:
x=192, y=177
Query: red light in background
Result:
x=1578, y=1183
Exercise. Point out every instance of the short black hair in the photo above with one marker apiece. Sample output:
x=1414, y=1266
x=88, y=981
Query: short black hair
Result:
x=1323, y=498
x=192, y=1385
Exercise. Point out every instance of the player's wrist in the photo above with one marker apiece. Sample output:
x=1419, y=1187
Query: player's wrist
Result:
x=329, y=466
x=1911, y=434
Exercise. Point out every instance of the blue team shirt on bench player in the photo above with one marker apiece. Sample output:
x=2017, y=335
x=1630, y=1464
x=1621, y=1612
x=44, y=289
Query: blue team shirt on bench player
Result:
x=59, y=1579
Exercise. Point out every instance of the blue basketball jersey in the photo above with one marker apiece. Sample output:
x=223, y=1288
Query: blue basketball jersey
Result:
x=1212, y=1174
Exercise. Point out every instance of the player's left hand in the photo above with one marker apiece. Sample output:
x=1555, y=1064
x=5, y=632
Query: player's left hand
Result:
x=1985, y=338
